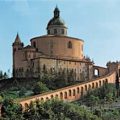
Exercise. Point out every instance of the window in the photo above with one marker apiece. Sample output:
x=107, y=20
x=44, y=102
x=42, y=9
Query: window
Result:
x=73, y=92
x=48, y=31
x=69, y=44
x=55, y=31
x=14, y=49
x=34, y=44
x=62, y=31
x=96, y=73
x=70, y=93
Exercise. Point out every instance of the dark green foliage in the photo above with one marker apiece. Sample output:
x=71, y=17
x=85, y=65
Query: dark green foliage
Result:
x=3, y=75
x=11, y=110
x=57, y=110
x=22, y=92
x=106, y=93
x=1, y=99
x=117, y=82
x=40, y=88
x=55, y=81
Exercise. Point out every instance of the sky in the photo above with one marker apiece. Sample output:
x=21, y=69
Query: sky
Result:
x=97, y=22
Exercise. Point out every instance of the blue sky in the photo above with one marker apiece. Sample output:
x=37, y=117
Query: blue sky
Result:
x=97, y=22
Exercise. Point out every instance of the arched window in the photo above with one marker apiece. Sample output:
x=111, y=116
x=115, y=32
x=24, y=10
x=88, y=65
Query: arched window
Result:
x=96, y=85
x=62, y=31
x=34, y=44
x=96, y=73
x=70, y=44
x=14, y=49
x=78, y=90
x=26, y=106
x=73, y=92
x=48, y=31
x=56, y=96
x=52, y=96
x=65, y=96
x=42, y=99
x=61, y=95
x=44, y=68
x=82, y=91
x=106, y=81
x=55, y=31
x=70, y=93
x=89, y=86
x=86, y=87
x=92, y=85
x=99, y=83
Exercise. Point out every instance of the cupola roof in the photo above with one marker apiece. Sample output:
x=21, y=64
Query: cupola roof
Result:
x=56, y=20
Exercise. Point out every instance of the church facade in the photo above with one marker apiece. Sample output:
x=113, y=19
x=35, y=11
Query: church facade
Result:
x=53, y=53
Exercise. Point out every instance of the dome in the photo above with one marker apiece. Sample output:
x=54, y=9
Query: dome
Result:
x=56, y=21
x=56, y=26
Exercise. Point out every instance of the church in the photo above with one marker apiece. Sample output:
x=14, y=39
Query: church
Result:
x=53, y=53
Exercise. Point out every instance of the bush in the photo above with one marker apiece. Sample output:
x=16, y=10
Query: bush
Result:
x=22, y=92
x=40, y=88
x=1, y=99
x=10, y=109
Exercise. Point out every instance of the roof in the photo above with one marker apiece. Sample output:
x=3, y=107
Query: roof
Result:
x=60, y=36
x=66, y=59
x=17, y=39
x=29, y=47
x=56, y=20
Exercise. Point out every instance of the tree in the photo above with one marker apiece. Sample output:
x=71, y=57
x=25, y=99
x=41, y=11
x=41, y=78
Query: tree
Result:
x=11, y=109
x=40, y=88
x=92, y=100
x=3, y=75
x=1, y=99
x=22, y=92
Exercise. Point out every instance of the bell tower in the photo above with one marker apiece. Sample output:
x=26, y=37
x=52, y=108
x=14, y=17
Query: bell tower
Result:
x=17, y=46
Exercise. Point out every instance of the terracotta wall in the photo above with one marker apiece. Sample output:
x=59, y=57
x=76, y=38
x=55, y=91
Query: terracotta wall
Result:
x=58, y=46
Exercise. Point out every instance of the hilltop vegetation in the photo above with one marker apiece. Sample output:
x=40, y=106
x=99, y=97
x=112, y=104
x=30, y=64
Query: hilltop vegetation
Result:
x=20, y=88
x=50, y=110
x=95, y=105
x=56, y=110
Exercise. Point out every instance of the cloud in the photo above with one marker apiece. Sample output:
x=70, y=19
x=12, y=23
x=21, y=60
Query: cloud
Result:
x=21, y=7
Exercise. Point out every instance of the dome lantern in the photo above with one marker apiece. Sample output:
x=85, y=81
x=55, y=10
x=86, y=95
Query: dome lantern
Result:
x=56, y=12
x=56, y=26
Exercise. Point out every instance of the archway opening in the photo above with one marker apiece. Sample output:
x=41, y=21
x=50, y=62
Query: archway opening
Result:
x=61, y=95
x=73, y=92
x=78, y=90
x=70, y=93
x=81, y=91
x=99, y=83
x=96, y=73
x=93, y=85
x=65, y=95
